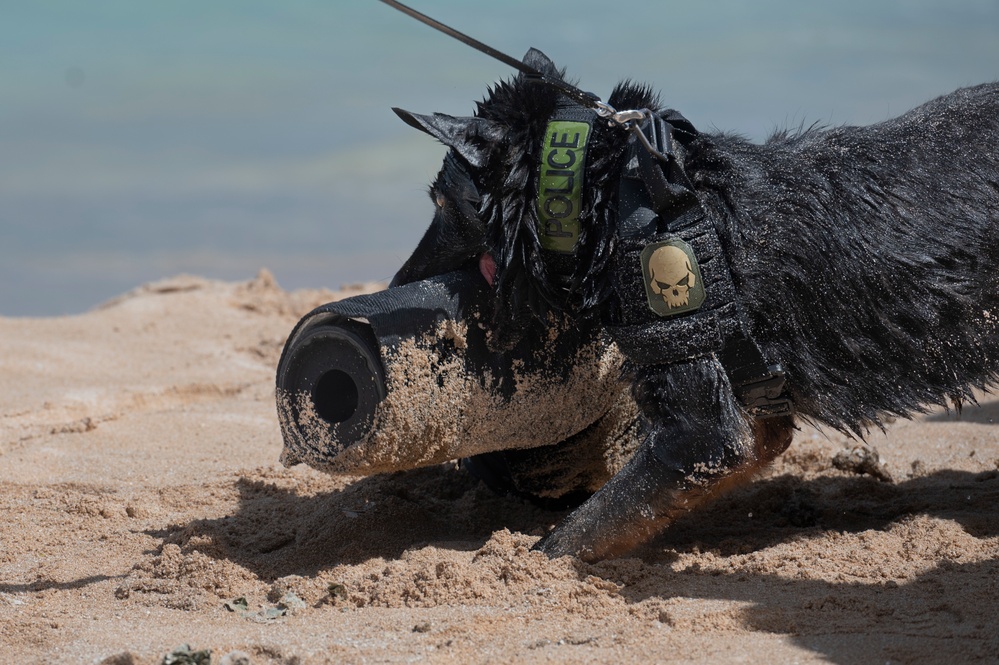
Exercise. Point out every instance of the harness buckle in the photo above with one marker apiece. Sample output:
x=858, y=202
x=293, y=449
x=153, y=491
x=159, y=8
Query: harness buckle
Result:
x=764, y=397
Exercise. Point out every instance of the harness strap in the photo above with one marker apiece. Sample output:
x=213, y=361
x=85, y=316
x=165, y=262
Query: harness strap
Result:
x=666, y=183
x=677, y=297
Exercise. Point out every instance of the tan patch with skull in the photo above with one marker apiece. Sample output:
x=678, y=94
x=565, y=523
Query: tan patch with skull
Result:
x=673, y=281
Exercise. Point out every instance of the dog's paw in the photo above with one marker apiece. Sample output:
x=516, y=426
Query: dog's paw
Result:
x=559, y=543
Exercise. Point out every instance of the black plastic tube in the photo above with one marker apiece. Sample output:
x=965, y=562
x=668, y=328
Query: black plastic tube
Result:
x=343, y=358
x=334, y=356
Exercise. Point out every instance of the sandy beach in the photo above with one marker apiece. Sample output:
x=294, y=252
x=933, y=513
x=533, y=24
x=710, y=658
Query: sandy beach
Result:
x=144, y=508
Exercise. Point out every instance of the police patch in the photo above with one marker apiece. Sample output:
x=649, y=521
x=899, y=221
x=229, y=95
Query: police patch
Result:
x=673, y=281
x=560, y=185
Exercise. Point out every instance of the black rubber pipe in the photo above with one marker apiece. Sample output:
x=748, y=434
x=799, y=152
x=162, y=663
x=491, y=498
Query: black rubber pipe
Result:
x=338, y=363
x=334, y=356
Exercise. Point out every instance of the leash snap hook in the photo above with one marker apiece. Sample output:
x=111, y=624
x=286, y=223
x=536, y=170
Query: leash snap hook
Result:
x=603, y=109
x=628, y=118
x=623, y=119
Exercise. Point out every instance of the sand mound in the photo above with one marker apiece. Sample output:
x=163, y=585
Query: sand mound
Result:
x=145, y=508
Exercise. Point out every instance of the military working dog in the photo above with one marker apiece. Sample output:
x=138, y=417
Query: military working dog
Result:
x=858, y=266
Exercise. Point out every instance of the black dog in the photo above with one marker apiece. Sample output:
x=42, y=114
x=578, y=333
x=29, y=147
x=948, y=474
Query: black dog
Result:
x=846, y=274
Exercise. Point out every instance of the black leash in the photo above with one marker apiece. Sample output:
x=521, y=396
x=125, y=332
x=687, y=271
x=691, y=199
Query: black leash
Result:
x=632, y=120
x=462, y=37
x=587, y=99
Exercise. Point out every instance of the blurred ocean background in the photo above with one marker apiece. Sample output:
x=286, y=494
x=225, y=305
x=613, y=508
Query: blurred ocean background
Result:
x=139, y=140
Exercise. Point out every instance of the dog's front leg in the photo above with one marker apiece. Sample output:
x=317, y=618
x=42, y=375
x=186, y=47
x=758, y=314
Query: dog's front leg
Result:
x=700, y=443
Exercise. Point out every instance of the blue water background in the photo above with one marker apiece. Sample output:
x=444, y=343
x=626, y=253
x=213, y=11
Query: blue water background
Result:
x=139, y=140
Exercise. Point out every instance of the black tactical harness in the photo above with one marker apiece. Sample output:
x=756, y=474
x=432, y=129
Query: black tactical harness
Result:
x=660, y=223
x=661, y=226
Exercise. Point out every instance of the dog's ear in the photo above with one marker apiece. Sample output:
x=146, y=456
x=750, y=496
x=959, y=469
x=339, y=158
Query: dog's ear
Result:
x=542, y=63
x=472, y=138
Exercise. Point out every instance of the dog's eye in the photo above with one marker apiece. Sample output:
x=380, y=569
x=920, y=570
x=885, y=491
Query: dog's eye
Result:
x=439, y=200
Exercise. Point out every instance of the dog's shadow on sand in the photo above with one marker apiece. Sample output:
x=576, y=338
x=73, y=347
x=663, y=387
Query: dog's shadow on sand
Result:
x=850, y=616
x=948, y=613
x=276, y=532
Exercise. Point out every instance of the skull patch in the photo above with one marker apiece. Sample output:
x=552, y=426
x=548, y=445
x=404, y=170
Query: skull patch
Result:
x=672, y=278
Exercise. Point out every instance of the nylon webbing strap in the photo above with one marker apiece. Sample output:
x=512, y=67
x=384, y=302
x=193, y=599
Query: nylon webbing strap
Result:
x=675, y=289
x=666, y=184
x=649, y=339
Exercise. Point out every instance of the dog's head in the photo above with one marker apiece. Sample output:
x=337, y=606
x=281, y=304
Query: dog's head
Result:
x=485, y=203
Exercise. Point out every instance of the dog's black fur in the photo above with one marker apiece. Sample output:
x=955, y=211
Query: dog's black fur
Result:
x=866, y=260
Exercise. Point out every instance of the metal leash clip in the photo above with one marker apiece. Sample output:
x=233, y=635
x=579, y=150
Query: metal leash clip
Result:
x=624, y=119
